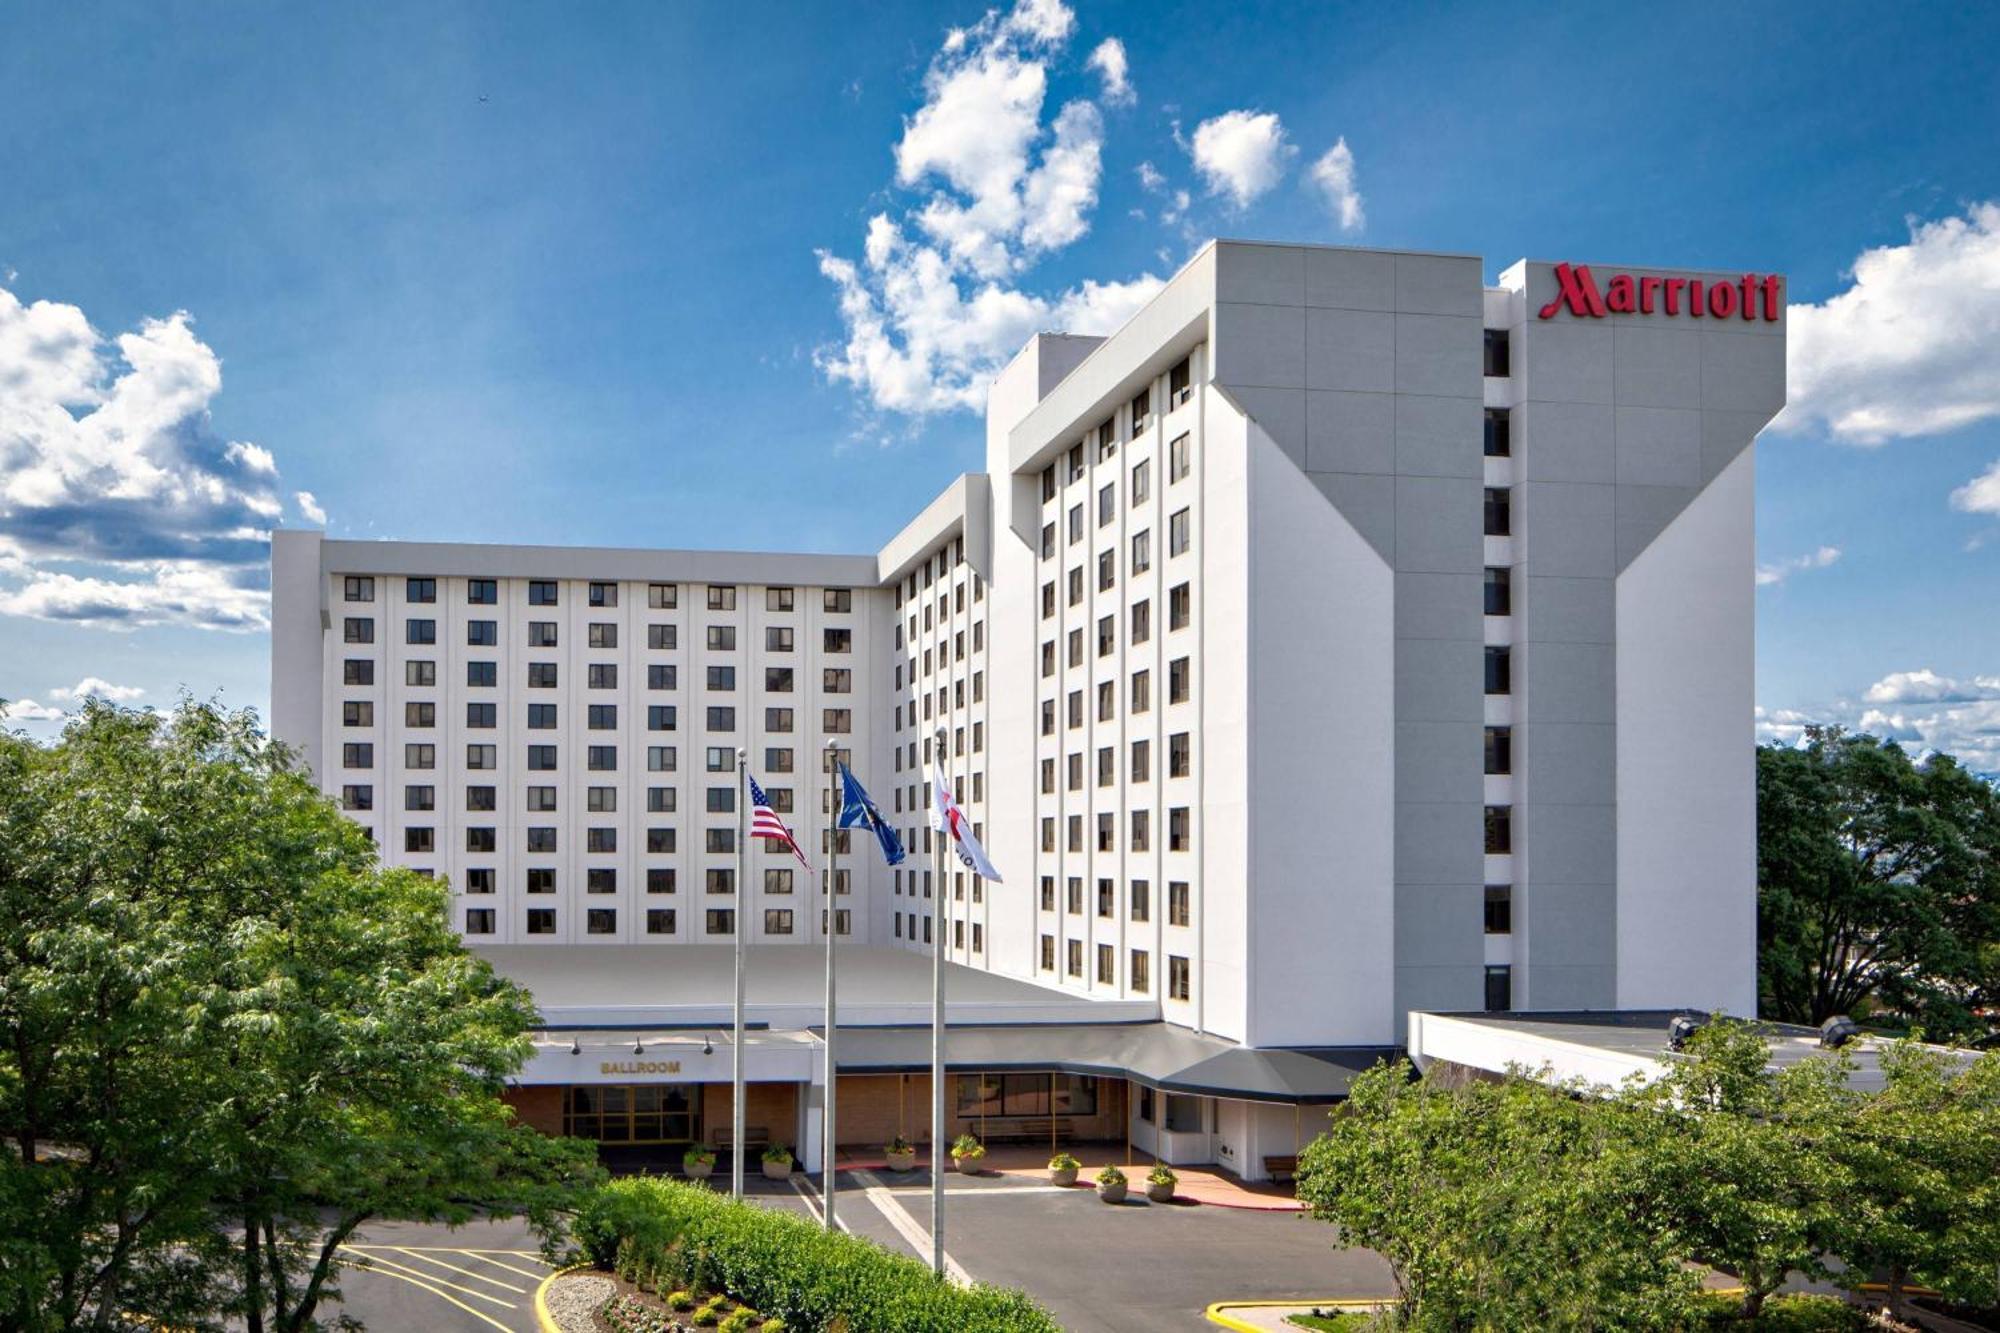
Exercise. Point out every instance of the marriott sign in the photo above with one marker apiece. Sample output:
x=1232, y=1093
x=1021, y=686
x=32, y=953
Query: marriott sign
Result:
x=1753, y=296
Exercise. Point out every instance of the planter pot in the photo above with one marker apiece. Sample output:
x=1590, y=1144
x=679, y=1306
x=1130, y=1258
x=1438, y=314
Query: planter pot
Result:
x=777, y=1170
x=1159, y=1193
x=1112, y=1193
x=903, y=1161
x=967, y=1165
x=1062, y=1175
x=697, y=1170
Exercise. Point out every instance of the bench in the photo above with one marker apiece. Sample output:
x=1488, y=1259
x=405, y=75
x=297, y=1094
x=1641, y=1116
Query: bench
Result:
x=1281, y=1169
x=754, y=1136
x=1024, y=1129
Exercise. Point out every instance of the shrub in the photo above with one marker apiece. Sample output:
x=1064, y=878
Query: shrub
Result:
x=1111, y=1175
x=965, y=1145
x=698, y=1155
x=740, y=1320
x=778, y=1152
x=680, y=1300
x=1795, y=1313
x=794, y=1271
x=1062, y=1161
x=772, y=1325
x=1162, y=1175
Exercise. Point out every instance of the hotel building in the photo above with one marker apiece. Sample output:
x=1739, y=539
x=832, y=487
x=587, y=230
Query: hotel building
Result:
x=1341, y=639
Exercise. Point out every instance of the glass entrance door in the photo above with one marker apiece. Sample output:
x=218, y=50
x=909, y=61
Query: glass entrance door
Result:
x=633, y=1113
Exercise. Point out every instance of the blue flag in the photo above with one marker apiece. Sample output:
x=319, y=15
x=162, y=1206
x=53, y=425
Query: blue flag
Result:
x=857, y=811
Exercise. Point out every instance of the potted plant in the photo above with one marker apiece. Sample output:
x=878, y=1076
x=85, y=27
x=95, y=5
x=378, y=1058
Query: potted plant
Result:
x=778, y=1162
x=697, y=1161
x=1111, y=1185
x=1063, y=1169
x=902, y=1154
x=1160, y=1182
x=965, y=1154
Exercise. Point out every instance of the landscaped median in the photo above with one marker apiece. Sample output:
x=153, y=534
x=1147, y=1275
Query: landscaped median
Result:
x=698, y=1259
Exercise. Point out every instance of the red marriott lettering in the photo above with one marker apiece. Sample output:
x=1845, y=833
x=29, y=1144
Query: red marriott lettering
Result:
x=1751, y=297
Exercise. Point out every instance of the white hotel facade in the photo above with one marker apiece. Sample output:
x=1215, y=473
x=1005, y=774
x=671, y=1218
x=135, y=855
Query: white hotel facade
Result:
x=1341, y=638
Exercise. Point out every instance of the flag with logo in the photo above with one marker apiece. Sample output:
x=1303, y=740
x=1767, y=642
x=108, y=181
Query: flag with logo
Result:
x=946, y=816
x=857, y=811
x=764, y=823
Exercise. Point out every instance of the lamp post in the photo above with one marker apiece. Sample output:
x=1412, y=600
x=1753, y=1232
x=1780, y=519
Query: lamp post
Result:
x=827, y=1165
x=736, y=1040
x=940, y=835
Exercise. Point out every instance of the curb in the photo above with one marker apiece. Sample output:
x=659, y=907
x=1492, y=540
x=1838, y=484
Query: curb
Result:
x=545, y=1321
x=1217, y=1313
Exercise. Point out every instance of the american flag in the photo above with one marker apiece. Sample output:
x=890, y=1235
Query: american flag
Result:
x=764, y=823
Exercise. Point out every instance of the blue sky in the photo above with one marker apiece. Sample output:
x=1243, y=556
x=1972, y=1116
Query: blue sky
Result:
x=563, y=274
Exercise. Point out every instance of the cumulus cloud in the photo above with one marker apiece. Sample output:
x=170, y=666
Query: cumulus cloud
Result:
x=1981, y=495
x=937, y=302
x=119, y=504
x=1922, y=709
x=1111, y=66
x=1784, y=569
x=309, y=508
x=1333, y=176
x=1241, y=154
x=1907, y=348
x=27, y=710
x=93, y=687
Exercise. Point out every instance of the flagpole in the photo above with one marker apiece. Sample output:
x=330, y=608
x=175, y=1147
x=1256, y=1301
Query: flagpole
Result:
x=939, y=836
x=827, y=1166
x=736, y=1041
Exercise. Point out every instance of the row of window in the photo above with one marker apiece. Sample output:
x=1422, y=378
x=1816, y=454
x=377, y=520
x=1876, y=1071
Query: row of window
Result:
x=718, y=881
x=1139, y=973
x=601, y=717
x=659, y=921
x=1139, y=826
x=547, y=592
x=1138, y=898
x=422, y=632
x=1180, y=763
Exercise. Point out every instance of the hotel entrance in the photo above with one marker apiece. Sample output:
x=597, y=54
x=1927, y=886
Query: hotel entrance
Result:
x=633, y=1113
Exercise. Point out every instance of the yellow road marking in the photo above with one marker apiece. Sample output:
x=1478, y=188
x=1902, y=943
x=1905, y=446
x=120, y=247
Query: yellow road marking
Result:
x=445, y=1295
x=474, y=1275
x=485, y=1257
x=544, y=1321
x=443, y=1249
x=376, y=1262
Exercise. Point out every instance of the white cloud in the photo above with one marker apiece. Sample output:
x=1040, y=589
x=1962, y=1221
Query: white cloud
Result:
x=27, y=710
x=936, y=305
x=309, y=508
x=1981, y=495
x=1784, y=569
x=1241, y=154
x=1923, y=710
x=1907, y=348
x=93, y=687
x=118, y=502
x=1111, y=66
x=1334, y=175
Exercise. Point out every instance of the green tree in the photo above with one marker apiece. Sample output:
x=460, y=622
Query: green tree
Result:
x=1507, y=1205
x=228, y=1036
x=1878, y=884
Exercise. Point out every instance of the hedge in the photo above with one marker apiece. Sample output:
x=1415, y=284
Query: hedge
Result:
x=814, y=1280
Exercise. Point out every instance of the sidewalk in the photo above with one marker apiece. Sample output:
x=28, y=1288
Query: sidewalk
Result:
x=1198, y=1184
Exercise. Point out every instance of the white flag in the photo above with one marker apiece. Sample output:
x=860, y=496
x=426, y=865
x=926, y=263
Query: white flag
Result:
x=945, y=815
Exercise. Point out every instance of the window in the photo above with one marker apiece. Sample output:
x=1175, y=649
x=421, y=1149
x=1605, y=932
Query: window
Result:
x=360, y=589
x=837, y=721
x=482, y=798
x=1499, y=671
x=837, y=640
x=1107, y=966
x=661, y=841
x=721, y=841
x=778, y=759
x=602, y=675
x=777, y=921
x=358, y=797
x=1499, y=830
x=541, y=633
x=839, y=600
x=1048, y=541
x=541, y=592
x=662, y=676
x=420, y=757
x=541, y=717
x=1141, y=979
x=662, y=800
x=1142, y=692
x=1498, y=520
x=1496, y=358
x=1142, y=830
x=482, y=633
x=1177, y=681
x=1075, y=958
x=357, y=671
x=1499, y=591
x=482, y=756
x=1107, y=569
x=720, y=678
x=663, y=638
x=601, y=921
x=720, y=759
x=1180, y=384
x=1107, y=635
x=1177, y=533
x=659, y=920
x=1497, y=445
x=722, y=638
x=541, y=920
x=542, y=759
x=661, y=879
x=420, y=590
x=720, y=920
x=721, y=800
x=1142, y=410
x=1499, y=989
x=542, y=675
x=1075, y=462
x=482, y=674
x=1499, y=909
x=1177, y=979
x=1178, y=762
x=1179, y=837
x=778, y=638
x=837, y=680
x=358, y=629
x=602, y=758
x=601, y=635
x=1075, y=524
x=420, y=673
x=662, y=596
x=603, y=717
x=778, y=720
x=542, y=880
x=479, y=881
x=479, y=921
x=419, y=715
x=1178, y=455
x=602, y=801
x=722, y=719
x=1180, y=606
x=1141, y=898
x=482, y=592
x=482, y=717
x=542, y=800
x=419, y=840
x=1177, y=903
x=1142, y=551
x=661, y=717
x=721, y=598
x=600, y=879
x=357, y=714
x=1107, y=503
x=1499, y=751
